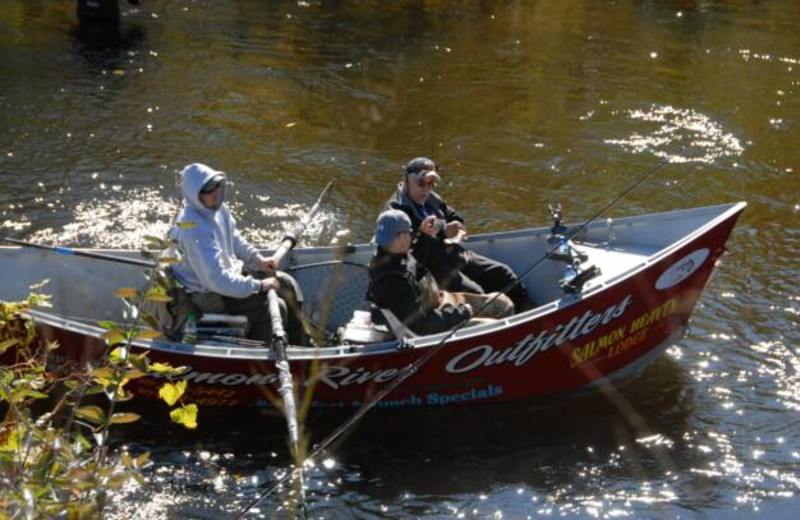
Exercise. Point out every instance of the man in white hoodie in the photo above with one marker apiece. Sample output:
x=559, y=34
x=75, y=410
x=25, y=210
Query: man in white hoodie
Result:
x=218, y=265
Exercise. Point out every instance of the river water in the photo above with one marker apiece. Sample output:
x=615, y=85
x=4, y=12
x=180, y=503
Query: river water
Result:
x=523, y=103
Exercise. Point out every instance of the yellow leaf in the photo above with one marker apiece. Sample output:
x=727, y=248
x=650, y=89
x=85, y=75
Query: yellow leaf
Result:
x=78, y=474
x=159, y=298
x=12, y=442
x=91, y=413
x=157, y=295
x=142, y=459
x=126, y=292
x=7, y=344
x=148, y=334
x=170, y=392
x=123, y=396
x=119, y=354
x=163, y=368
x=185, y=415
x=114, y=336
x=118, y=479
x=124, y=418
x=187, y=224
x=134, y=374
x=32, y=393
x=154, y=240
x=103, y=373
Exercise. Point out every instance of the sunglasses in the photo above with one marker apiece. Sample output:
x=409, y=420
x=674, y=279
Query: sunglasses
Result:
x=422, y=183
x=210, y=187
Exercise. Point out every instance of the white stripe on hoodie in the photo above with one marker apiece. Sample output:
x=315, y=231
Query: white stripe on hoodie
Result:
x=214, y=252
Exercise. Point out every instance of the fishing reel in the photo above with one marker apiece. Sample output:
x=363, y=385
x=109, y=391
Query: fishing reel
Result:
x=556, y=215
x=561, y=250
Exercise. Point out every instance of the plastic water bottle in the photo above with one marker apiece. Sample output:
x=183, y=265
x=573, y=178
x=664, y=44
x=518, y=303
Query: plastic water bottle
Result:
x=563, y=246
x=569, y=273
x=190, y=329
x=612, y=235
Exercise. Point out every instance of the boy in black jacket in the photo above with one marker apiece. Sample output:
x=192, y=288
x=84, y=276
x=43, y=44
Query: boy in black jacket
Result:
x=398, y=283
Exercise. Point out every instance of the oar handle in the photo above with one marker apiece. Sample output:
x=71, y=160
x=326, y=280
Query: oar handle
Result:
x=287, y=244
x=74, y=252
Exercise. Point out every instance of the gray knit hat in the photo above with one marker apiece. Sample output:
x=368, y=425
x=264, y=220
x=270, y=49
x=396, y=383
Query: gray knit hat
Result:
x=390, y=223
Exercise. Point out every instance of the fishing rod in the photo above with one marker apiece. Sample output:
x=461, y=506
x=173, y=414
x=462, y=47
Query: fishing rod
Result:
x=77, y=252
x=414, y=367
x=290, y=239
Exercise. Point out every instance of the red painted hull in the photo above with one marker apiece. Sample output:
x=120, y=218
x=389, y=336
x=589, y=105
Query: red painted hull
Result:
x=603, y=335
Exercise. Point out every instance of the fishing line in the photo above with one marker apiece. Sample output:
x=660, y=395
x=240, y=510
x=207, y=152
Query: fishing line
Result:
x=414, y=367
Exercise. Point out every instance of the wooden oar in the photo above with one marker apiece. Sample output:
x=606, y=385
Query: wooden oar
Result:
x=279, y=343
x=76, y=252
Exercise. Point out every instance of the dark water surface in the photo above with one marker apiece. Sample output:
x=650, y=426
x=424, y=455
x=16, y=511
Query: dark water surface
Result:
x=522, y=102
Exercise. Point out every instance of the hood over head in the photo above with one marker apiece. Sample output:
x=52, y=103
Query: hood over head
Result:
x=195, y=176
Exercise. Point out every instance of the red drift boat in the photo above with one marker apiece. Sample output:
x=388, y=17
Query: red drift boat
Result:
x=648, y=274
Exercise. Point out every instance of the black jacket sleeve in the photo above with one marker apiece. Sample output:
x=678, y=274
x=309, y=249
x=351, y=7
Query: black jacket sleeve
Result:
x=450, y=214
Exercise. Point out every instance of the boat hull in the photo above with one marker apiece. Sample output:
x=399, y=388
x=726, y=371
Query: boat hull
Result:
x=570, y=346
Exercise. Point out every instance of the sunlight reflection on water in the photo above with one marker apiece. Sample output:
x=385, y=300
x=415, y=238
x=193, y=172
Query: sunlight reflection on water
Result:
x=678, y=136
x=123, y=217
x=119, y=220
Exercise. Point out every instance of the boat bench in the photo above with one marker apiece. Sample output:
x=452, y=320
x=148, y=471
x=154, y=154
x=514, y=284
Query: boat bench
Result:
x=212, y=324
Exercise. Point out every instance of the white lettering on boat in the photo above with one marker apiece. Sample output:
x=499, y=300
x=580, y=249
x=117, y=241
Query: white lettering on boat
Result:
x=535, y=343
x=224, y=378
x=338, y=376
x=334, y=376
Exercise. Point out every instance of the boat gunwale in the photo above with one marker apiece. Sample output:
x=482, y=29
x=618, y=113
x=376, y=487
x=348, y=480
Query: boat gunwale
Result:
x=298, y=353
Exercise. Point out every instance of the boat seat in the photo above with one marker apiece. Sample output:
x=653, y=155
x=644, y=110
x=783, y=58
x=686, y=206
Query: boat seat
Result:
x=217, y=324
x=171, y=318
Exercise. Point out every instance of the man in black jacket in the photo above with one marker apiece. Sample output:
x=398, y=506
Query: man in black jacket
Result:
x=437, y=233
x=398, y=283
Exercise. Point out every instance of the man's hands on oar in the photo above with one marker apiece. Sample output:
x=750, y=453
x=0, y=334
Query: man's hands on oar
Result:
x=269, y=284
x=269, y=265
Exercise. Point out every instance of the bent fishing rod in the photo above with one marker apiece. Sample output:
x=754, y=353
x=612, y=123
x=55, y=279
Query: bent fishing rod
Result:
x=414, y=367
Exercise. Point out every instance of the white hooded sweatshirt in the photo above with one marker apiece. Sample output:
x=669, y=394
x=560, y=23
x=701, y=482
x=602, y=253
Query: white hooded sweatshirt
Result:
x=214, y=252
